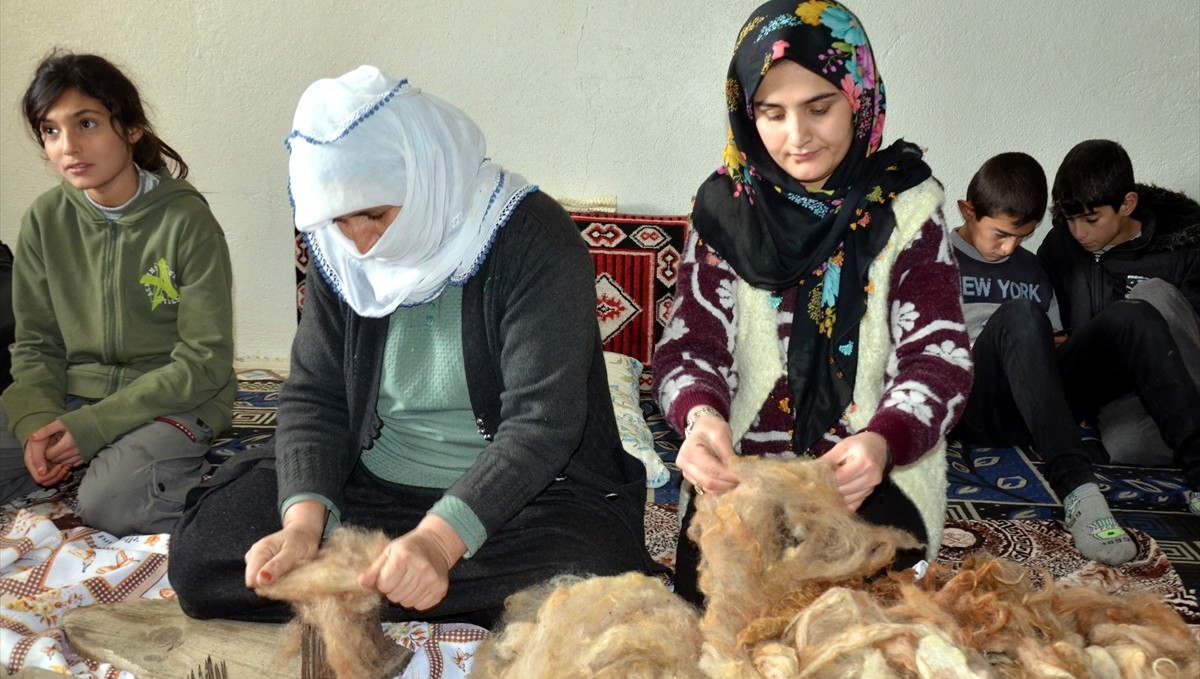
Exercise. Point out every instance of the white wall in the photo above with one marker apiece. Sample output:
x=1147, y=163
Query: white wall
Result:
x=595, y=97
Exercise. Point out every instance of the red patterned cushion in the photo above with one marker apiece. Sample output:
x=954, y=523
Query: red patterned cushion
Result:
x=637, y=262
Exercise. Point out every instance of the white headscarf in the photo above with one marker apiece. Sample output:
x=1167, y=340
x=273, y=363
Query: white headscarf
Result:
x=361, y=141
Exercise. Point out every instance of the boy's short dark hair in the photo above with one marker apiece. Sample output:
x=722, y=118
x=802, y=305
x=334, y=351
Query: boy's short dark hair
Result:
x=1095, y=173
x=1009, y=185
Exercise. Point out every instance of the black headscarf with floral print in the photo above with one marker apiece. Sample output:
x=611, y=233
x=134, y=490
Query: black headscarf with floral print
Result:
x=776, y=234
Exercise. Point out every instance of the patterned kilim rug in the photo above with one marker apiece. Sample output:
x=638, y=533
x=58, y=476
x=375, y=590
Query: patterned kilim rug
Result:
x=1008, y=484
x=253, y=413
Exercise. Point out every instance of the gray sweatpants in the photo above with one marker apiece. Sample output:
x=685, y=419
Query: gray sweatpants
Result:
x=1129, y=434
x=136, y=484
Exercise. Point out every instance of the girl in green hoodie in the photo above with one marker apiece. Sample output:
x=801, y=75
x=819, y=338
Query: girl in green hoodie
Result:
x=123, y=361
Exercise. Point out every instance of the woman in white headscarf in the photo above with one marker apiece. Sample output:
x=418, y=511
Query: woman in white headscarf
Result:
x=447, y=384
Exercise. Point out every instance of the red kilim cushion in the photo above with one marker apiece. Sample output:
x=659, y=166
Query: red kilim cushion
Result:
x=637, y=262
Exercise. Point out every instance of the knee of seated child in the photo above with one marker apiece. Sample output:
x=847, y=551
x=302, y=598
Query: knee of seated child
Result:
x=1151, y=287
x=115, y=498
x=1022, y=316
x=1135, y=312
x=102, y=501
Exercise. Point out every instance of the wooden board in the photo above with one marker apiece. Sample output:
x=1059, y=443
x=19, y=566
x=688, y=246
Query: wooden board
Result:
x=155, y=640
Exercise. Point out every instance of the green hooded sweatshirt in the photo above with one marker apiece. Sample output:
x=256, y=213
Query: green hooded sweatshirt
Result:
x=135, y=316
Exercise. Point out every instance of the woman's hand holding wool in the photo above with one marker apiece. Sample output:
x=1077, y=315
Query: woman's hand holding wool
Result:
x=703, y=454
x=281, y=551
x=414, y=570
x=859, y=464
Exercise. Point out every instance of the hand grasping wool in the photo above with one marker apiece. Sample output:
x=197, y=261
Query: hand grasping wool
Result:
x=326, y=595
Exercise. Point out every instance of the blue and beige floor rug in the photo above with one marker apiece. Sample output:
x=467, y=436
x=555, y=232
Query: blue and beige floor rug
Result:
x=1008, y=484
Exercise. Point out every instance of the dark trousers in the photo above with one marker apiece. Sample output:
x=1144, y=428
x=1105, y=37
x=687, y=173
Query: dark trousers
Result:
x=1018, y=397
x=1028, y=392
x=1128, y=347
x=566, y=529
x=887, y=506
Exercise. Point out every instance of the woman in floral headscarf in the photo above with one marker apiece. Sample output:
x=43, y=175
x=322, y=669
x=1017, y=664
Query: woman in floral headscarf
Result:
x=817, y=311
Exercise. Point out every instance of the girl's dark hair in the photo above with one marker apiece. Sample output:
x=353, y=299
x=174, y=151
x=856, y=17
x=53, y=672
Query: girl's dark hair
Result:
x=98, y=78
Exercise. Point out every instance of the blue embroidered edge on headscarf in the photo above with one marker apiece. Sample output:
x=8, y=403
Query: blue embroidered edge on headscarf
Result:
x=358, y=120
x=506, y=213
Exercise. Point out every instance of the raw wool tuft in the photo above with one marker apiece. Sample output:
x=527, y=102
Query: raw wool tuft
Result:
x=325, y=594
x=770, y=547
x=784, y=535
x=617, y=627
x=991, y=618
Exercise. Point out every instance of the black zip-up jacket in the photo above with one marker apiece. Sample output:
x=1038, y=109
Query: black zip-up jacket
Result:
x=1168, y=248
x=535, y=373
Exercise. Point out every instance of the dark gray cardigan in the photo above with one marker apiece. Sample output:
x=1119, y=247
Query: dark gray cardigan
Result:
x=535, y=373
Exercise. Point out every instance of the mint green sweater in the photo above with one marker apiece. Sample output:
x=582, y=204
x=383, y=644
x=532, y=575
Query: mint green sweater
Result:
x=135, y=315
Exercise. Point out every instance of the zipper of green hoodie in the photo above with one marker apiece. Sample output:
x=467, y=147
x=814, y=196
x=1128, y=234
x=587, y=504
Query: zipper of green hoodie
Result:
x=110, y=303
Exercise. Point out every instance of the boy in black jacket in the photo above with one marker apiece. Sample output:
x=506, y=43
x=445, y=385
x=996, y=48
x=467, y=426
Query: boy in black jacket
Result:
x=1124, y=259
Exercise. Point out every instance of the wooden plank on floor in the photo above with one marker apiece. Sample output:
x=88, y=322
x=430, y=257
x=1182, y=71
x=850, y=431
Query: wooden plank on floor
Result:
x=155, y=640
